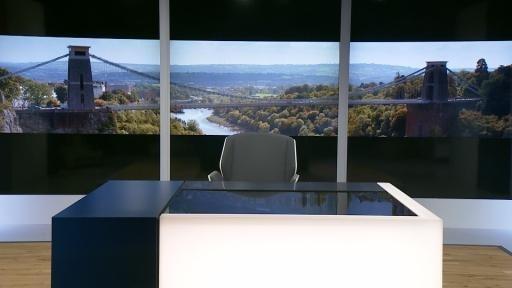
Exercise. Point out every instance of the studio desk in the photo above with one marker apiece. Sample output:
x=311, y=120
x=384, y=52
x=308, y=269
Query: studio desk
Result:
x=244, y=234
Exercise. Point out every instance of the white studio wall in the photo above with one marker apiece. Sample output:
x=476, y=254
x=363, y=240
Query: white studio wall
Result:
x=29, y=217
x=474, y=221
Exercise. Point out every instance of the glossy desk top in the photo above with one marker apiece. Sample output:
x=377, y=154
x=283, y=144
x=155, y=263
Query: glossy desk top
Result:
x=302, y=198
x=282, y=186
x=143, y=199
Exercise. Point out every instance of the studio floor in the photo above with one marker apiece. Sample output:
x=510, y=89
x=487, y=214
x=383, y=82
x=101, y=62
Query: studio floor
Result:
x=28, y=265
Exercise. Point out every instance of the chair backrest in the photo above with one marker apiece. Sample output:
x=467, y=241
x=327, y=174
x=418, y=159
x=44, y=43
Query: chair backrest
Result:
x=258, y=157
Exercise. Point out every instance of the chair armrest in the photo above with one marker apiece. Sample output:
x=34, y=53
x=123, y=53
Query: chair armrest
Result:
x=215, y=176
x=295, y=178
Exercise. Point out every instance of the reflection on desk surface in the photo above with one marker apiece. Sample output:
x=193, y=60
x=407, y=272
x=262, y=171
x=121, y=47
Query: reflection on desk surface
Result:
x=282, y=202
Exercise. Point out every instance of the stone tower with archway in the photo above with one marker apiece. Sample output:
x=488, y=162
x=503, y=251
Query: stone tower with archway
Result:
x=80, y=86
x=435, y=116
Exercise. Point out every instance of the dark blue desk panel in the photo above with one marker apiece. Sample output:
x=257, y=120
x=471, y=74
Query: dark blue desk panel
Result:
x=110, y=237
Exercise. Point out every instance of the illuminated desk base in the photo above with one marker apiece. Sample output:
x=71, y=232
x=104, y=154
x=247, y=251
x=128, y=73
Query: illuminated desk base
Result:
x=267, y=251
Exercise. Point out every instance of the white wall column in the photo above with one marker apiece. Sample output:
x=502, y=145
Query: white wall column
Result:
x=344, y=61
x=165, y=89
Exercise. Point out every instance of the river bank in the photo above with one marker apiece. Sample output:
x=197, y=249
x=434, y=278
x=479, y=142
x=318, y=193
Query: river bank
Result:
x=221, y=121
x=209, y=127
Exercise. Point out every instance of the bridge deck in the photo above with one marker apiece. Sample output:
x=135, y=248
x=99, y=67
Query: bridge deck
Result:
x=259, y=104
x=284, y=103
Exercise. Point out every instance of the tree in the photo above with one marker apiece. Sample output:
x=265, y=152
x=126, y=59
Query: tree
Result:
x=10, y=86
x=52, y=102
x=118, y=96
x=193, y=126
x=399, y=121
x=107, y=96
x=481, y=71
x=62, y=93
x=329, y=131
x=481, y=66
x=99, y=102
x=133, y=96
x=474, y=124
x=263, y=127
x=497, y=92
x=37, y=93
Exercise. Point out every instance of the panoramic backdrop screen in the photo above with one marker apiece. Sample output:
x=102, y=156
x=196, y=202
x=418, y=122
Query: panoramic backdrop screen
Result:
x=430, y=89
x=79, y=85
x=397, y=89
x=227, y=87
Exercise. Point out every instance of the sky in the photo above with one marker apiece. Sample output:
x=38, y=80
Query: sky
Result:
x=261, y=53
x=412, y=54
x=39, y=49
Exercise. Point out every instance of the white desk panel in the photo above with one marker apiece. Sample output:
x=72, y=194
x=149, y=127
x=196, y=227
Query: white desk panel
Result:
x=250, y=250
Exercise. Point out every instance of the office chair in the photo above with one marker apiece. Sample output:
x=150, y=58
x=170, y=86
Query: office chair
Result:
x=257, y=157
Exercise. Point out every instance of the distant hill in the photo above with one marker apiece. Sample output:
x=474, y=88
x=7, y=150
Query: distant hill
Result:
x=222, y=80
x=365, y=73
x=233, y=75
x=225, y=75
x=316, y=69
x=282, y=74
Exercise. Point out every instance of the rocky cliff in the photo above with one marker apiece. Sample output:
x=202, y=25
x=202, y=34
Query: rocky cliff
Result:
x=69, y=122
x=9, y=122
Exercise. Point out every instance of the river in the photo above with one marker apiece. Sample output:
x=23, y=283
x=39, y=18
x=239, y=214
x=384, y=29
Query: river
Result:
x=201, y=115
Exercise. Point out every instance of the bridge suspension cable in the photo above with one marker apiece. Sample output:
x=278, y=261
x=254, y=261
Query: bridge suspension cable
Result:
x=33, y=66
x=408, y=77
x=208, y=91
x=158, y=79
x=125, y=68
x=459, y=79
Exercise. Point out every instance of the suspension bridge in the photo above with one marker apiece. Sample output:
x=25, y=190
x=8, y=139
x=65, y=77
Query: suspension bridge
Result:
x=435, y=89
x=425, y=112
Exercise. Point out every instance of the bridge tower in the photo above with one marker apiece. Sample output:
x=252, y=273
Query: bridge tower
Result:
x=435, y=116
x=435, y=82
x=80, y=86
